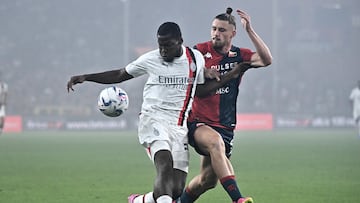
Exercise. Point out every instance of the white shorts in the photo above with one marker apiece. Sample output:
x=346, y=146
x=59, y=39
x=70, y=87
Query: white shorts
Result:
x=2, y=111
x=356, y=112
x=156, y=134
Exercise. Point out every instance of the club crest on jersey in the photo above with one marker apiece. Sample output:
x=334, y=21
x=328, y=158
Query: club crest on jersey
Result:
x=232, y=54
x=208, y=55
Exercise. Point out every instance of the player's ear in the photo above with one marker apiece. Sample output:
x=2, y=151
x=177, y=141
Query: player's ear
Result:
x=233, y=33
x=181, y=40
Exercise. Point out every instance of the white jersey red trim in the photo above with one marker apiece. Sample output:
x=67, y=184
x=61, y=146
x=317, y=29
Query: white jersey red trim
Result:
x=170, y=87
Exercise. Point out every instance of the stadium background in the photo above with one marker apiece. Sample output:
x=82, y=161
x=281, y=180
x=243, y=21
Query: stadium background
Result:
x=43, y=43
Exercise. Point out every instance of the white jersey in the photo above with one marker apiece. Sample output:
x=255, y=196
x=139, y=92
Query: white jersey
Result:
x=3, y=93
x=355, y=97
x=170, y=87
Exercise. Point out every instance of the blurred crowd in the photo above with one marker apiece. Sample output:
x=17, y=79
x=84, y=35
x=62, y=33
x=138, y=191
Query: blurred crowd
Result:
x=43, y=43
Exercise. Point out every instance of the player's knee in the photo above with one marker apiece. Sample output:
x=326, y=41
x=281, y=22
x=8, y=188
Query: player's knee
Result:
x=217, y=145
x=163, y=161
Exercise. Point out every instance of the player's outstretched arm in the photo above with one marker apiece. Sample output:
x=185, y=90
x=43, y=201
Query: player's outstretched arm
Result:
x=210, y=73
x=210, y=86
x=107, y=77
x=262, y=57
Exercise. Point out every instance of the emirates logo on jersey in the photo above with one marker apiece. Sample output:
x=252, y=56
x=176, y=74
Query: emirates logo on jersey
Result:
x=208, y=55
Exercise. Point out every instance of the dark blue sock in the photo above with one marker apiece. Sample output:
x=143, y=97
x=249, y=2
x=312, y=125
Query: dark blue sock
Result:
x=187, y=196
x=229, y=184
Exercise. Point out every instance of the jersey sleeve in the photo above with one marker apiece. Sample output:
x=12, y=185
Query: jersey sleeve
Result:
x=352, y=95
x=137, y=67
x=246, y=54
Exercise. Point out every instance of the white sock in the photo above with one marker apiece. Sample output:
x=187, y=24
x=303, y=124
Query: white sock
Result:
x=148, y=197
x=164, y=199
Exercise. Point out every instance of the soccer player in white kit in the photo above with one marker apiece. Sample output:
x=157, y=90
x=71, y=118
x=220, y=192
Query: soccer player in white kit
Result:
x=355, y=99
x=167, y=98
x=3, y=95
x=173, y=74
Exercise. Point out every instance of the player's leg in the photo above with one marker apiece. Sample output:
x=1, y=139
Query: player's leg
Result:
x=229, y=183
x=211, y=143
x=179, y=182
x=171, y=166
x=158, y=149
x=357, y=122
x=180, y=153
x=221, y=165
x=2, y=119
x=159, y=152
x=162, y=191
x=206, y=180
x=164, y=182
x=170, y=155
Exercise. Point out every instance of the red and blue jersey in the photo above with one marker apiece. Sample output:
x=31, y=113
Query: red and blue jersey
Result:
x=219, y=109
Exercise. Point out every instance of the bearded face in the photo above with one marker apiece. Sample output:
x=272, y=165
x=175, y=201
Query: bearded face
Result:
x=221, y=34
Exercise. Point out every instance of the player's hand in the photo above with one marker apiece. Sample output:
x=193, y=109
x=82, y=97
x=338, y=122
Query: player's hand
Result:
x=211, y=74
x=245, y=19
x=241, y=68
x=75, y=80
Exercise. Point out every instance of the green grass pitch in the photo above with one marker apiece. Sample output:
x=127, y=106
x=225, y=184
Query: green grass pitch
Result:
x=273, y=167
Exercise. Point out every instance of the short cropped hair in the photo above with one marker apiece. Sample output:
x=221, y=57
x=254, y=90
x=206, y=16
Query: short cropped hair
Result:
x=227, y=17
x=170, y=29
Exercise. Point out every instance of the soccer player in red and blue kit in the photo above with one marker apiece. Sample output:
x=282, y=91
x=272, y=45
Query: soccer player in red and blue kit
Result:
x=213, y=117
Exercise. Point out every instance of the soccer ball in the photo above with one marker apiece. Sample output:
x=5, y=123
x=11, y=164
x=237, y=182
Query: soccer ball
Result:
x=113, y=101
